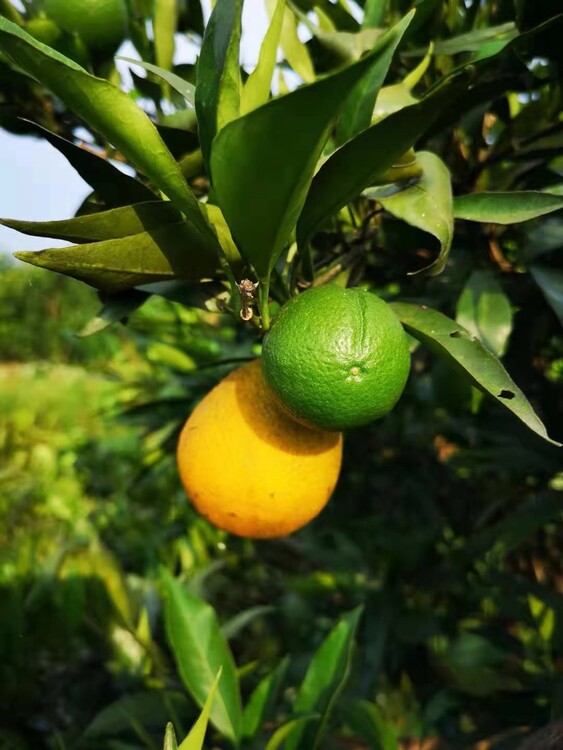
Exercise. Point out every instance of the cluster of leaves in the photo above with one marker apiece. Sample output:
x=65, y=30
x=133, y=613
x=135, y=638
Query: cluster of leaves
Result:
x=454, y=560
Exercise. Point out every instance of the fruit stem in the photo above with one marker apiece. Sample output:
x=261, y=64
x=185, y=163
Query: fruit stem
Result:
x=264, y=302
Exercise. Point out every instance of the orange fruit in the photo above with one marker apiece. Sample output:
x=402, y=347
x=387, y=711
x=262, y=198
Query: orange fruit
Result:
x=101, y=24
x=336, y=358
x=248, y=467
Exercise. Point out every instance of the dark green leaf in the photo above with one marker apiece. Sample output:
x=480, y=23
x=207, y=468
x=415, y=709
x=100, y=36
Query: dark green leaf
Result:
x=201, y=295
x=426, y=205
x=484, y=310
x=185, y=89
x=200, y=651
x=217, y=98
x=358, y=110
x=550, y=281
x=287, y=729
x=105, y=225
x=355, y=166
x=260, y=211
x=109, y=111
x=111, y=184
x=366, y=720
x=151, y=709
x=505, y=208
x=261, y=702
x=232, y=628
x=474, y=40
x=116, y=308
x=324, y=681
x=166, y=253
x=448, y=339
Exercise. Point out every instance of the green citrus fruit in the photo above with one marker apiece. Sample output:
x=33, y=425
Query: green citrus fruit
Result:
x=101, y=24
x=46, y=31
x=336, y=358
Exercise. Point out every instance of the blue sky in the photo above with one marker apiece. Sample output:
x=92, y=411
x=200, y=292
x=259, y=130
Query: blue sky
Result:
x=38, y=184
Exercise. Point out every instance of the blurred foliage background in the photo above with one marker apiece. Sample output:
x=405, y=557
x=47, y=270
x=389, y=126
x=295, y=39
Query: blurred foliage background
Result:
x=446, y=523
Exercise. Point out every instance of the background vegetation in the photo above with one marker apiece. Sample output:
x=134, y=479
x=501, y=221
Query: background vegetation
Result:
x=435, y=573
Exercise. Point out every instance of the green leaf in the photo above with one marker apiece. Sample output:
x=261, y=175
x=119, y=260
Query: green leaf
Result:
x=170, y=742
x=484, y=310
x=166, y=253
x=200, y=650
x=550, y=281
x=184, y=88
x=105, y=225
x=366, y=720
x=426, y=205
x=256, y=90
x=233, y=626
x=113, y=186
x=116, y=308
x=505, y=208
x=452, y=342
x=150, y=709
x=295, y=52
x=217, y=99
x=346, y=45
x=287, y=729
x=324, y=681
x=261, y=702
x=473, y=41
x=164, y=28
x=196, y=737
x=262, y=211
x=358, y=110
x=109, y=111
x=356, y=165
x=374, y=13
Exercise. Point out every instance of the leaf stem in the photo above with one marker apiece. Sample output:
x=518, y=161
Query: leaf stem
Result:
x=264, y=303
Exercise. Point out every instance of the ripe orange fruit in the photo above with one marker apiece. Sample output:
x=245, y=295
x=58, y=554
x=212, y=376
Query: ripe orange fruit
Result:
x=248, y=467
x=336, y=358
x=101, y=24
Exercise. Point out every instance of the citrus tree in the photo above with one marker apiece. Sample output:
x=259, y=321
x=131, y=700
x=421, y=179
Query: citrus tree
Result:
x=373, y=193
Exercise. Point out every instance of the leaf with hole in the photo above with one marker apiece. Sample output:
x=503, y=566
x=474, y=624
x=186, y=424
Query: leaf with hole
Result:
x=459, y=348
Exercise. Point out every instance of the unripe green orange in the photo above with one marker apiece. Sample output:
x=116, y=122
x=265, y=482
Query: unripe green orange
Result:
x=336, y=358
x=101, y=24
